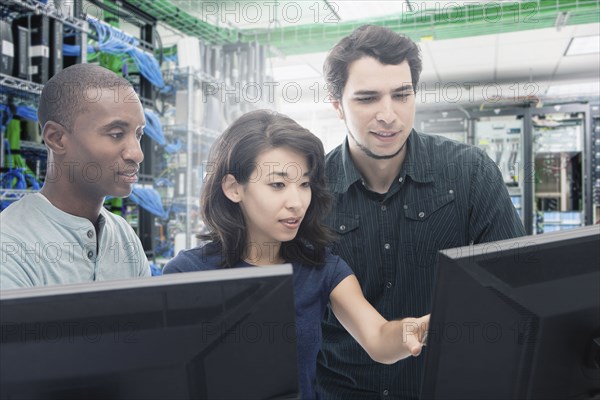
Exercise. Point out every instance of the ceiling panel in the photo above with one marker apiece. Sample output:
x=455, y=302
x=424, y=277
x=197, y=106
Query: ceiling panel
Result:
x=578, y=67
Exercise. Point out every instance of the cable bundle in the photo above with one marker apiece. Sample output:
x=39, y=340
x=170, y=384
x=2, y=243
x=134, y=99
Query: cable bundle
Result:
x=154, y=128
x=26, y=112
x=149, y=200
x=174, y=147
x=18, y=176
x=155, y=132
x=5, y=116
x=74, y=50
x=114, y=41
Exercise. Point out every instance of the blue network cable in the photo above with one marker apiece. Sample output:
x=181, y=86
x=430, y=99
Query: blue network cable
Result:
x=74, y=50
x=174, y=147
x=6, y=116
x=26, y=112
x=16, y=178
x=155, y=270
x=149, y=200
x=154, y=130
x=116, y=42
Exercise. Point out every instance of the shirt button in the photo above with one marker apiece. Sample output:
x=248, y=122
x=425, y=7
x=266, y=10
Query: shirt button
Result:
x=383, y=208
x=388, y=285
x=342, y=227
x=406, y=207
x=421, y=214
x=90, y=234
x=90, y=254
x=401, y=179
x=451, y=191
x=386, y=392
x=387, y=246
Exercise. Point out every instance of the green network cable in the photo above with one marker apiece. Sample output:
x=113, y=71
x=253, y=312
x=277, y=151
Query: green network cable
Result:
x=13, y=134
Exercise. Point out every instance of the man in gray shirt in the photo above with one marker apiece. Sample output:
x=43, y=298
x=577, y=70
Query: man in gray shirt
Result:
x=92, y=122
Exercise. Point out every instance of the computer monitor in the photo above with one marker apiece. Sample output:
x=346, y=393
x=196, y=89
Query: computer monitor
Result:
x=224, y=334
x=517, y=319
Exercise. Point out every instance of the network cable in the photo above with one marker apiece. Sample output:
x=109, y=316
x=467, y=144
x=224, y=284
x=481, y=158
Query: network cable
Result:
x=155, y=132
x=18, y=176
x=26, y=112
x=154, y=128
x=114, y=41
x=149, y=199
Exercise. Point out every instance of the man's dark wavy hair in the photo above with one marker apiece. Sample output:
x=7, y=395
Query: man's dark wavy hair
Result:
x=235, y=152
x=383, y=44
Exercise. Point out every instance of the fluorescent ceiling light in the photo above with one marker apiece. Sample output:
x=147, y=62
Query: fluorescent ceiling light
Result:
x=583, y=45
x=574, y=89
x=295, y=72
x=352, y=10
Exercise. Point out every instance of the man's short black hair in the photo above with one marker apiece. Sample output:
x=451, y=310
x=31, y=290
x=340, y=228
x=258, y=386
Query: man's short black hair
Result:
x=69, y=93
x=385, y=45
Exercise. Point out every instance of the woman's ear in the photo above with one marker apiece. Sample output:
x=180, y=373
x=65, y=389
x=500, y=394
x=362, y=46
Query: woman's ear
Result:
x=231, y=188
x=54, y=137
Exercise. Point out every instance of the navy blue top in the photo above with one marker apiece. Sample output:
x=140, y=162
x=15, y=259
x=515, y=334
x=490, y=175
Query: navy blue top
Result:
x=312, y=287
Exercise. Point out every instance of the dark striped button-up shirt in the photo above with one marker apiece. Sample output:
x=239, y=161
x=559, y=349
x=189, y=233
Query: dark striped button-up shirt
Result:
x=446, y=195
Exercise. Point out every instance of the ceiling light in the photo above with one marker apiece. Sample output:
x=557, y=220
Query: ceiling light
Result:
x=583, y=45
x=574, y=89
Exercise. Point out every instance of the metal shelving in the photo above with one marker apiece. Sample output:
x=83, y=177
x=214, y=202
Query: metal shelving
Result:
x=48, y=10
x=522, y=171
x=15, y=90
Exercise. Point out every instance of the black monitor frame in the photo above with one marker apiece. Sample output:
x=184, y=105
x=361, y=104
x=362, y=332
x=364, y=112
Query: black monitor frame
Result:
x=222, y=334
x=517, y=319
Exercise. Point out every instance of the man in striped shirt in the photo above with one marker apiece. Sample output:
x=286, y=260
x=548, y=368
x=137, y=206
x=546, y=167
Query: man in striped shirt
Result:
x=400, y=197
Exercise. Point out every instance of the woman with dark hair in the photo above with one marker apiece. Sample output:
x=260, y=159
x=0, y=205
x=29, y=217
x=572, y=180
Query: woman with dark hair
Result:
x=263, y=202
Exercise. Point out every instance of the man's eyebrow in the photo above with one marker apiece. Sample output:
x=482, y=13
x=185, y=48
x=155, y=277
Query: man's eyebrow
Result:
x=365, y=93
x=119, y=123
x=403, y=88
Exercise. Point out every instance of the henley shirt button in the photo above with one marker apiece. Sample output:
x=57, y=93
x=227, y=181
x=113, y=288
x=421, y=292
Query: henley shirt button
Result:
x=406, y=207
x=421, y=214
x=388, y=285
x=400, y=179
x=387, y=246
x=451, y=191
x=383, y=208
x=90, y=234
x=90, y=254
x=342, y=227
x=386, y=392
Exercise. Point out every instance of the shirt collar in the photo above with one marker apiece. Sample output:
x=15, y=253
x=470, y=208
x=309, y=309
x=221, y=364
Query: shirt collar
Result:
x=349, y=174
x=417, y=164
